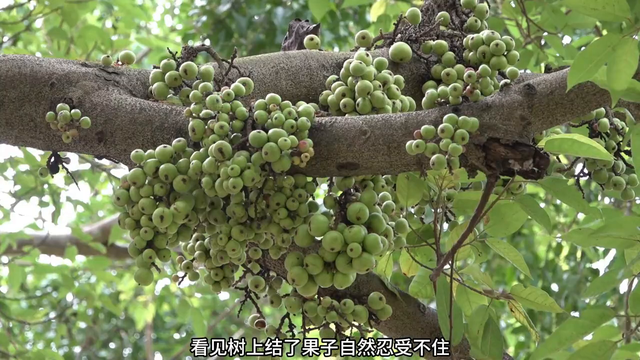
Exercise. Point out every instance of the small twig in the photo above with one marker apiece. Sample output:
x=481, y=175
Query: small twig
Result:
x=475, y=219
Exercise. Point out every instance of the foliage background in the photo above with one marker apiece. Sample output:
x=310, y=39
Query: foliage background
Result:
x=77, y=307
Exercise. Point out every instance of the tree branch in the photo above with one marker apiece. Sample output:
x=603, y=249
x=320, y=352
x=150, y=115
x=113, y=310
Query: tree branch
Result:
x=56, y=244
x=114, y=98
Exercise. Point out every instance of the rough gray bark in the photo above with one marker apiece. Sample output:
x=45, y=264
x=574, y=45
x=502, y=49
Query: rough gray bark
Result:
x=123, y=120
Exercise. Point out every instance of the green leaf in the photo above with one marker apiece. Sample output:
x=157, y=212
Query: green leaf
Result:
x=623, y=64
x=492, y=342
x=568, y=194
x=443, y=306
x=385, y=266
x=455, y=234
x=421, y=286
x=479, y=275
x=70, y=252
x=80, y=234
x=99, y=247
x=17, y=275
x=198, y=323
x=604, y=10
x=606, y=282
x=591, y=59
x=572, y=330
x=505, y=218
x=109, y=305
x=98, y=263
x=632, y=92
x=599, y=350
x=585, y=237
x=533, y=209
x=409, y=189
x=407, y=265
x=510, y=253
x=117, y=233
x=575, y=145
x=377, y=9
x=30, y=158
x=352, y=3
x=468, y=300
x=534, y=298
x=556, y=43
x=319, y=8
x=523, y=318
x=476, y=324
x=466, y=202
x=420, y=236
x=630, y=256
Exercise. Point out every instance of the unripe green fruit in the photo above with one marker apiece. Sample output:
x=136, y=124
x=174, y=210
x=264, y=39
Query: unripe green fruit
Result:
x=364, y=263
x=400, y=52
x=144, y=277
x=376, y=300
x=445, y=131
x=106, y=60
x=256, y=283
x=318, y=225
x=188, y=70
x=428, y=132
x=293, y=304
x=314, y=264
x=332, y=241
x=384, y=313
x=354, y=250
x=469, y=4
x=43, y=172
x=327, y=333
x=364, y=39
x=461, y=137
x=360, y=314
x=603, y=125
x=438, y=162
x=628, y=194
x=512, y=73
x=357, y=213
x=373, y=244
x=440, y=47
x=312, y=42
x=85, y=122
x=481, y=11
x=413, y=15
x=342, y=281
x=444, y=18
x=618, y=183
x=473, y=24
x=127, y=57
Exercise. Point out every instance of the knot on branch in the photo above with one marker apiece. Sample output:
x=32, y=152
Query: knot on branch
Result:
x=511, y=159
